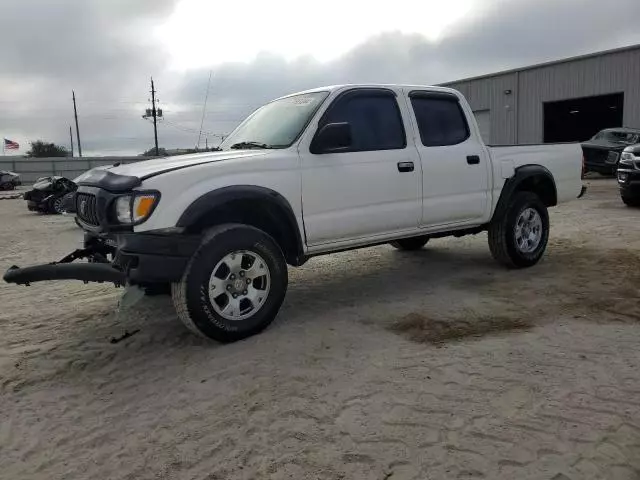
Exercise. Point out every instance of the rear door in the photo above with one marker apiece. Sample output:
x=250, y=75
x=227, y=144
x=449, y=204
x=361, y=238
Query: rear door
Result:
x=455, y=163
x=372, y=188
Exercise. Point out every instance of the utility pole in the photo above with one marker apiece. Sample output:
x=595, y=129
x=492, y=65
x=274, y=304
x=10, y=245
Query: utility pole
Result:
x=155, y=115
x=75, y=112
x=71, y=138
x=206, y=144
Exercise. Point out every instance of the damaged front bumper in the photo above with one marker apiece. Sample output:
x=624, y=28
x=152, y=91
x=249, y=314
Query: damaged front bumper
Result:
x=98, y=269
x=87, y=272
x=129, y=258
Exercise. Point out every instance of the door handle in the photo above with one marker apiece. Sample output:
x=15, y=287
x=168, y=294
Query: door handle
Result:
x=405, y=166
x=473, y=159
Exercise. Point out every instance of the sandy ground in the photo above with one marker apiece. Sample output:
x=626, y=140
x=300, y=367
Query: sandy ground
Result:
x=382, y=365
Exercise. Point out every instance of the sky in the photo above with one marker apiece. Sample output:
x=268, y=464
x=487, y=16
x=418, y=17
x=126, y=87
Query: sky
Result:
x=107, y=50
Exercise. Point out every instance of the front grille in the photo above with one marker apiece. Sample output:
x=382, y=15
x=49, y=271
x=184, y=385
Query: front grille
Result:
x=612, y=157
x=86, y=208
x=594, y=156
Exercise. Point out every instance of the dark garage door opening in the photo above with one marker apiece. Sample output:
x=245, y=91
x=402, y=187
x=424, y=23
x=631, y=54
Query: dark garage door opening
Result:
x=579, y=119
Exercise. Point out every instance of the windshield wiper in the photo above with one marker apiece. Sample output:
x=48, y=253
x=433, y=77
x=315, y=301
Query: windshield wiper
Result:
x=239, y=145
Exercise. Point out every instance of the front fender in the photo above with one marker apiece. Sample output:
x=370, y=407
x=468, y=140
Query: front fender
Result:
x=225, y=195
x=266, y=202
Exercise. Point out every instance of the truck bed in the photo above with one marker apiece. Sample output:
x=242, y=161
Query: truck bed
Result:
x=563, y=160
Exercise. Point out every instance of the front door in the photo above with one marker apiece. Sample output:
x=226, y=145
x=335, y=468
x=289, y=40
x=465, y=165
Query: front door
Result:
x=371, y=188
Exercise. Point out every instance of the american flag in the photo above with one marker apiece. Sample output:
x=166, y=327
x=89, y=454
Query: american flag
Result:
x=11, y=145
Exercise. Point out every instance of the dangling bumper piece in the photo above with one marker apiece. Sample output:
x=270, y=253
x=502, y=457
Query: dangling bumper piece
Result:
x=99, y=269
x=87, y=272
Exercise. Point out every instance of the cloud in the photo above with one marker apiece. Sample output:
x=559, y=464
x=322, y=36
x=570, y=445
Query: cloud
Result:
x=97, y=48
x=105, y=52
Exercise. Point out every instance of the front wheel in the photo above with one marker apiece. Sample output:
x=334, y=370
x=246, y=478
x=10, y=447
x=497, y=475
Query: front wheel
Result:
x=519, y=238
x=56, y=205
x=234, y=284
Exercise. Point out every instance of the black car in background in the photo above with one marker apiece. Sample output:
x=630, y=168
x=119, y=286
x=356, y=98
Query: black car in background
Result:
x=48, y=194
x=629, y=176
x=602, y=152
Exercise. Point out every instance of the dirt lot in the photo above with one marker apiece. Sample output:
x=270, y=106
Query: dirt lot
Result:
x=382, y=365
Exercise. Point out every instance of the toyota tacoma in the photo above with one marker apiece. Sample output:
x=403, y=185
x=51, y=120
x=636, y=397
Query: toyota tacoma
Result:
x=321, y=171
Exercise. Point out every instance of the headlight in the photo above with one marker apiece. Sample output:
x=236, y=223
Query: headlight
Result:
x=626, y=158
x=123, y=209
x=135, y=208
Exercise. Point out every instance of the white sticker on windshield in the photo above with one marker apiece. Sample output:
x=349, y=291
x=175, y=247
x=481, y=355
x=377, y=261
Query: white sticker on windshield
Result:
x=303, y=101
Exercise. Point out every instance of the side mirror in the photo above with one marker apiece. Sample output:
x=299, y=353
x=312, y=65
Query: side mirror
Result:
x=332, y=138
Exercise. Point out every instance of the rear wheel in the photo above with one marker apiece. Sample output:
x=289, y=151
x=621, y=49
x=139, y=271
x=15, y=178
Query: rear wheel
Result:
x=233, y=286
x=414, y=243
x=519, y=238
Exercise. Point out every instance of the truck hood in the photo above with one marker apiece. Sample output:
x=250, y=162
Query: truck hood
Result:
x=604, y=145
x=634, y=149
x=150, y=168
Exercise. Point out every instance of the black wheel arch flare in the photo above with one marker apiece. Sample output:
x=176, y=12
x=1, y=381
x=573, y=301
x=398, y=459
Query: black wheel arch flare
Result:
x=216, y=199
x=524, y=175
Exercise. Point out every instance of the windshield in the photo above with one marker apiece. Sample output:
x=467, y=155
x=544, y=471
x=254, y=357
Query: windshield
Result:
x=277, y=124
x=618, y=137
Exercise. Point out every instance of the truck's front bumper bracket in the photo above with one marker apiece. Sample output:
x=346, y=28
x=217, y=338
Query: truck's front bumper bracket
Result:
x=98, y=270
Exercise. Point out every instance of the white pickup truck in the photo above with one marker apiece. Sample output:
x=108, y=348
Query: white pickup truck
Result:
x=312, y=173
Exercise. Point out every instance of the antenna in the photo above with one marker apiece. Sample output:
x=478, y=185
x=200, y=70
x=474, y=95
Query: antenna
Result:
x=204, y=110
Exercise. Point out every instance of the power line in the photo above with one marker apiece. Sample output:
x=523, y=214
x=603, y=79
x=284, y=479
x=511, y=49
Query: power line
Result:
x=191, y=130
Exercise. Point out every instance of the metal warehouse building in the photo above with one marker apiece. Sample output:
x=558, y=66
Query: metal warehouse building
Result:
x=562, y=101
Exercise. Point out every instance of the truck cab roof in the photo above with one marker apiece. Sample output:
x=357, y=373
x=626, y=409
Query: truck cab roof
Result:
x=333, y=88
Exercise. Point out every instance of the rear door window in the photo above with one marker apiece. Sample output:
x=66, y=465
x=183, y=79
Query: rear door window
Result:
x=441, y=120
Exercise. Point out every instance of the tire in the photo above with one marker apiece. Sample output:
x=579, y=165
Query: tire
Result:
x=503, y=232
x=224, y=250
x=56, y=205
x=630, y=201
x=409, y=244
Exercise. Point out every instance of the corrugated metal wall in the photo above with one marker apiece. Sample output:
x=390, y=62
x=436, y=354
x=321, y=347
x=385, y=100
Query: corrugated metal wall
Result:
x=31, y=169
x=518, y=117
x=488, y=94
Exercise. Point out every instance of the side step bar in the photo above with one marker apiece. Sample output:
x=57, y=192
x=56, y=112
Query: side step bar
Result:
x=87, y=272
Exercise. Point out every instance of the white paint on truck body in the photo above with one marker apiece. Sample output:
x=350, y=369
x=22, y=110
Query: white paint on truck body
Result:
x=343, y=200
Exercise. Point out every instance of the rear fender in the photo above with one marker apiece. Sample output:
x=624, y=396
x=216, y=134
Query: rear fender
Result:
x=523, y=175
